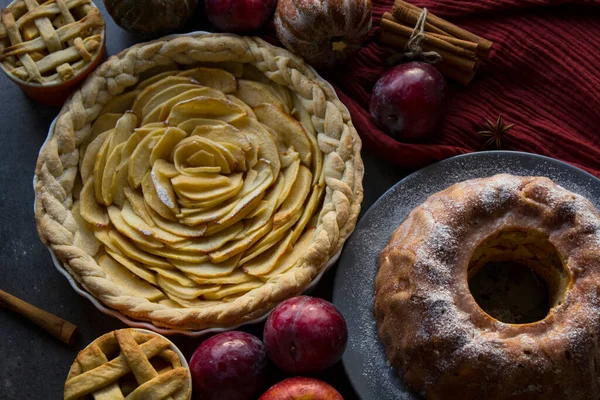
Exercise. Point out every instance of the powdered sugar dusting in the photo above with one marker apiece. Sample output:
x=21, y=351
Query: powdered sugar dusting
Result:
x=365, y=358
x=162, y=193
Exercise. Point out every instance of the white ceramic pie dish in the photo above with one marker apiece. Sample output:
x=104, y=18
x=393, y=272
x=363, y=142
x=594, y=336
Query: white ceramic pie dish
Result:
x=147, y=325
x=172, y=346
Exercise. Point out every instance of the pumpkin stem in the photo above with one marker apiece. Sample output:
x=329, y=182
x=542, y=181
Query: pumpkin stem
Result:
x=338, y=43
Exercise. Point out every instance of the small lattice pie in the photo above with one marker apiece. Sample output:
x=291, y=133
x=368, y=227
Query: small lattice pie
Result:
x=128, y=364
x=198, y=181
x=51, y=42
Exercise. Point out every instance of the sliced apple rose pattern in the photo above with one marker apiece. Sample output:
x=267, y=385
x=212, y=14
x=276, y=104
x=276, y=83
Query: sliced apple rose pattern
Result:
x=203, y=192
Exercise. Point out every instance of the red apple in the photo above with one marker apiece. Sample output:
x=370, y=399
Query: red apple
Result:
x=305, y=334
x=239, y=15
x=300, y=388
x=408, y=101
x=230, y=365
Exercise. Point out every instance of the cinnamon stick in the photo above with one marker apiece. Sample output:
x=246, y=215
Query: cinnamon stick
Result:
x=434, y=42
x=404, y=11
x=455, y=67
x=465, y=44
x=459, y=62
x=410, y=17
x=56, y=326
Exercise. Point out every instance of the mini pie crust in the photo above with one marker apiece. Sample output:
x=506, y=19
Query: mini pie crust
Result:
x=154, y=369
x=52, y=42
x=58, y=186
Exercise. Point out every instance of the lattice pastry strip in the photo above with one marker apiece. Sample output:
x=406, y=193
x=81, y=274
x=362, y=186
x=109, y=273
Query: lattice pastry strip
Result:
x=156, y=369
x=49, y=43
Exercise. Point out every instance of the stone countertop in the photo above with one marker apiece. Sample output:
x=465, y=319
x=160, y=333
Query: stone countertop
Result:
x=34, y=364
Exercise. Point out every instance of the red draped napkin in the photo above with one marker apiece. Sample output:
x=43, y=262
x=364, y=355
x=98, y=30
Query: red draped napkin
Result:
x=543, y=75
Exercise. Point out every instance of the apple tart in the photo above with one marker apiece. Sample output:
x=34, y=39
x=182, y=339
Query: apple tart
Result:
x=198, y=181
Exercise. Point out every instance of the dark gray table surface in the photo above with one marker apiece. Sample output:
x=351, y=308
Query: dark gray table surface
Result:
x=33, y=364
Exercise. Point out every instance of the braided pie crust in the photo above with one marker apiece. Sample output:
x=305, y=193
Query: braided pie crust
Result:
x=315, y=106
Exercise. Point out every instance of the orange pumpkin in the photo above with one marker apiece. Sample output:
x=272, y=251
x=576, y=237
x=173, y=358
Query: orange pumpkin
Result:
x=324, y=32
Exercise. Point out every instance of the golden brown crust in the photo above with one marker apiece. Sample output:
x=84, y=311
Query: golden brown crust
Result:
x=101, y=367
x=58, y=164
x=439, y=339
x=51, y=42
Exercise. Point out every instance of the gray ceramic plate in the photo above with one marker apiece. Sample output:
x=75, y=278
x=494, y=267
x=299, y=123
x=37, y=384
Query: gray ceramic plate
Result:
x=365, y=360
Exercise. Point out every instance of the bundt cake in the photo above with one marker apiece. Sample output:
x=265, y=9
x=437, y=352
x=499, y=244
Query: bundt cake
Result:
x=443, y=344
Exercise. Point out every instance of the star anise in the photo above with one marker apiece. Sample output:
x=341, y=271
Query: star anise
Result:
x=495, y=132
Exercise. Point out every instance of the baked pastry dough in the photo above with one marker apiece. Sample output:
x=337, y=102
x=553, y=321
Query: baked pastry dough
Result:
x=129, y=363
x=51, y=42
x=442, y=342
x=198, y=181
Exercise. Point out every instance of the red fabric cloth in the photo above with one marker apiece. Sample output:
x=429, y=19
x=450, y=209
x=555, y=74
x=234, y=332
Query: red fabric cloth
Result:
x=543, y=74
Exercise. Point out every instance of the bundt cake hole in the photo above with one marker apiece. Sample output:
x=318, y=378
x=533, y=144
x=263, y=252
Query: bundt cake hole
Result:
x=517, y=276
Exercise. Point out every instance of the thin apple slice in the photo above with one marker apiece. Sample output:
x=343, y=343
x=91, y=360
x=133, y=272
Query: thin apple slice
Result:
x=195, y=303
x=189, y=125
x=238, y=246
x=175, y=228
x=206, y=269
x=271, y=239
x=309, y=211
x=256, y=93
x=299, y=112
x=155, y=78
x=99, y=165
x=230, y=290
x=247, y=109
x=134, y=252
x=102, y=236
x=137, y=270
x=90, y=210
x=166, y=168
x=295, y=200
x=103, y=123
x=262, y=141
x=86, y=166
x=164, y=189
x=110, y=168
x=208, y=244
x=84, y=237
x=214, y=78
x=153, y=89
x=184, y=292
x=223, y=134
x=161, y=112
x=139, y=162
x=136, y=200
x=143, y=237
x=290, y=175
x=136, y=222
x=123, y=130
x=121, y=103
x=166, y=94
x=268, y=261
x=165, y=145
x=194, y=217
x=153, y=199
x=214, y=196
x=177, y=254
x=235, y=278
x=250, y=198
x=130, y=283
x=205, y=107
x=192, y=184
x=263, y=214
x=290, y=259
x=290, y=131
